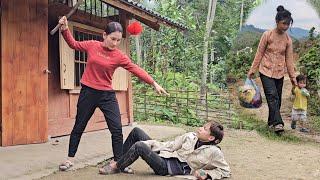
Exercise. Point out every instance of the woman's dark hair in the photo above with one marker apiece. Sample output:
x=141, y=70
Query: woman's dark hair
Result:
x=216, y=130
x=283, y=14
x=113, y=27
x=301, y=77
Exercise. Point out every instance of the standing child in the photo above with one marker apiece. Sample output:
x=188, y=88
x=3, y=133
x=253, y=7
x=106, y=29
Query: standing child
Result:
x=299, y=109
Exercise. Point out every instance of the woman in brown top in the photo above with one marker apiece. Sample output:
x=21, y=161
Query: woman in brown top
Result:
x=274, y=55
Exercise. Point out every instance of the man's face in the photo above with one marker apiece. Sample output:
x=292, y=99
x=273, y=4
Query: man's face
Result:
x=203, y=133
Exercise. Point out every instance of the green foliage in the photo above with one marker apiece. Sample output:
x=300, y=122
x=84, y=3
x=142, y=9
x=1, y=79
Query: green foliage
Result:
x=178, y=108
x=315, y=4
x=240, y=58
x=175, y=58
x=315, y=122
x=239, y=64
x=218, y=74
x=312, y=33
x=246, y=39
x=309, y=65
x=171, y=51
x=313, y=106
x=166, y=114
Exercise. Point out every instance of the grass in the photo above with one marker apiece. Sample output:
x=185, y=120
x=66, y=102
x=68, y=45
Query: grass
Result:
x=314, y=113
x=251, y=122
x=241, y=120
x=315, y=122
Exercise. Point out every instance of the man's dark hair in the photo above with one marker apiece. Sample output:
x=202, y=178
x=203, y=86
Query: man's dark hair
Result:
x=283, y=14
x=216, y=130
x=301, y=77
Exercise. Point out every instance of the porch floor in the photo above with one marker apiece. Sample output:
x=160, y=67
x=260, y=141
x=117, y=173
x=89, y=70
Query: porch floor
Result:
x=37, y=160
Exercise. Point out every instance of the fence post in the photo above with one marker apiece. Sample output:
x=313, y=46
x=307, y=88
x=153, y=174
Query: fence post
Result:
x=207, y=104
x=187, y=98
x=145, y=105
x=197, y=101
x=135, y=108
x=188, y=106
x=167, y=101
x=229, y=109
x=155, y=112
x=177, y=103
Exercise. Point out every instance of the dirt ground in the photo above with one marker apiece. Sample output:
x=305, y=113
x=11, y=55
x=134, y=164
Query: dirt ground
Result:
x=250, y=156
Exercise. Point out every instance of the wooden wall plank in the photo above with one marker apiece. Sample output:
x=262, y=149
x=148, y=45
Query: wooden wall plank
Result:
x=42, y=23
x=6, y=70
x=33, y=78
x=0, y=77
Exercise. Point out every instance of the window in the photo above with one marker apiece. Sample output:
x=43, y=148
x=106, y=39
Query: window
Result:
x=73, y=63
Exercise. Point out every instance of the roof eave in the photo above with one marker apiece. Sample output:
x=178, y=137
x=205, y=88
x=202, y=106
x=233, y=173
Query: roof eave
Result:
x=144, y=15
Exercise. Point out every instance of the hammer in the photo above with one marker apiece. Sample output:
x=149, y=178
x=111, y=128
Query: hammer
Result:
x=72, y=11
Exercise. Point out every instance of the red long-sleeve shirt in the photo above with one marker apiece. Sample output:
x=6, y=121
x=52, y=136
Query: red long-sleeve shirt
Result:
x=102, y=62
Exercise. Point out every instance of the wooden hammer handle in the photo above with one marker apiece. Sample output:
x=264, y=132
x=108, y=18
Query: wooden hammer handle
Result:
x=72, y=11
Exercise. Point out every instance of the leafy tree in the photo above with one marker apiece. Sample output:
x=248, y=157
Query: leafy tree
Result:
x=311, y=33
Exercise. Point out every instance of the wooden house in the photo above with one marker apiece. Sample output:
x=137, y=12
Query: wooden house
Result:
x=40, y=74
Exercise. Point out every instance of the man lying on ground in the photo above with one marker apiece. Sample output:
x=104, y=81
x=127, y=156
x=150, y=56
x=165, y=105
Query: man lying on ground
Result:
x=194, y=153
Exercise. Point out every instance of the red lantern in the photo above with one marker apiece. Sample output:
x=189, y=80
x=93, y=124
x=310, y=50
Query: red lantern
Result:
x=135, y=28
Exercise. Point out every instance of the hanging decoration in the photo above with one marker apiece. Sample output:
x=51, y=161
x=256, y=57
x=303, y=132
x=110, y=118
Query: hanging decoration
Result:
x=135, y=28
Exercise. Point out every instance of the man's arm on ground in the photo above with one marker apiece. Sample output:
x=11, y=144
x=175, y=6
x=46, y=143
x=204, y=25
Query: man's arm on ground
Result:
x=222, y=169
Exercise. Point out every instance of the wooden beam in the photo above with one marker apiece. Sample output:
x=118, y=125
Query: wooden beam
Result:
x=155, y=26
x=0, y=76
x=124, y=21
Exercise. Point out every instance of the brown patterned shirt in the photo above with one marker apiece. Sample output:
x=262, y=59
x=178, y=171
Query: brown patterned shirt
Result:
x=274, y=55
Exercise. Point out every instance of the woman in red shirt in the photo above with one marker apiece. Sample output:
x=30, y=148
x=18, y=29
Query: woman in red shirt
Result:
x=96, y=90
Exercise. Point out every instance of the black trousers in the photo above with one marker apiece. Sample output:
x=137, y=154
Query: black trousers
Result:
x=88, y=101
x=273, y=91
x=134, y=148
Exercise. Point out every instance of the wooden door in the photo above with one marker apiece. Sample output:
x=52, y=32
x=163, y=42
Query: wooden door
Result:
x=24, y=58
